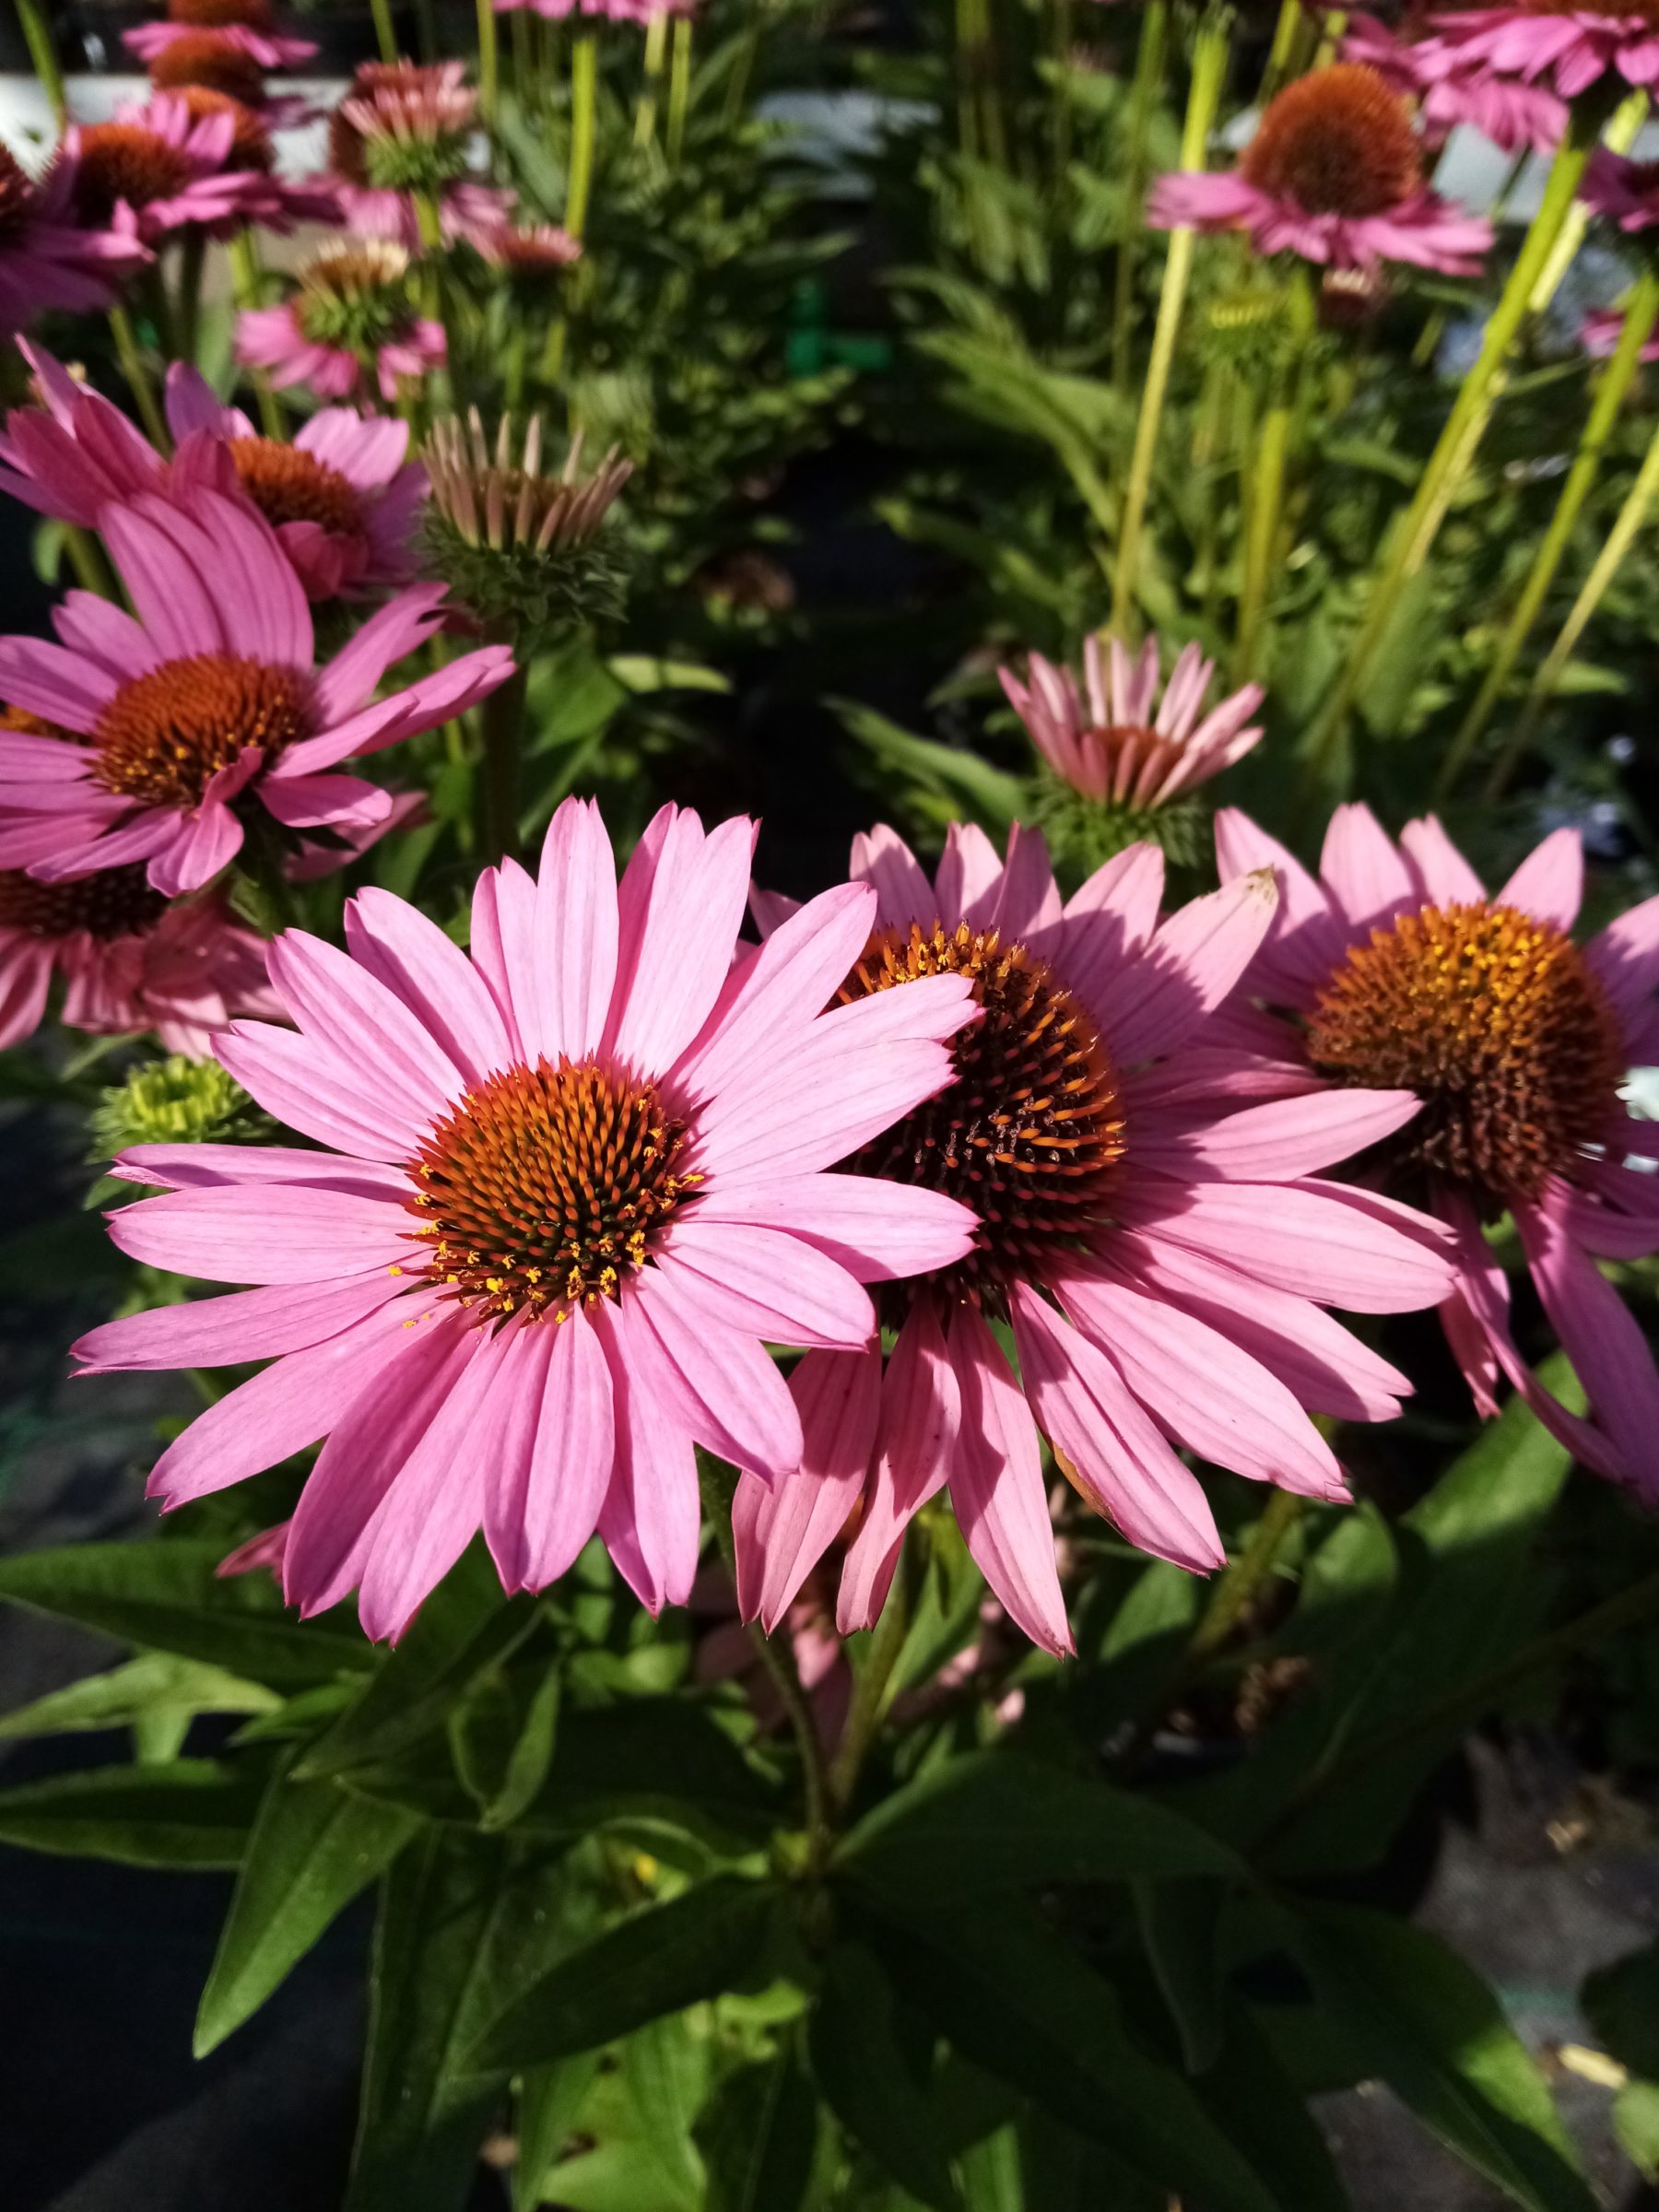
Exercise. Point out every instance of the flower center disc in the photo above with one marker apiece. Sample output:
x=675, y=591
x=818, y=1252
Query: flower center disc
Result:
x=17, y=197
x=166, y=734
x=219, y=15
x=1336, y=142
x=1031, y=1130
x=207, y=59
x=249, y=141
x=544, y=1186
x=124, y=161
x=116, y=903
x=289, y=486
x=1498, y=1023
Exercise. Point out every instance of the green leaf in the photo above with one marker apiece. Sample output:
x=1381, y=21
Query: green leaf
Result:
x=1020, y=2003
x=864, y=2072
x=1249, y=2095
x=994, y=1819
x=660, y=1961
x=650, y=1759
x=993, y=798
x=644, y=672
x=665, y=2074
x=1177, y=1925
x=166, y=1596
x=1636, y=2123
x=550, y=2104
x=759, y=2137
x=190, y=1813
x=1621, y=2003
x=313, y=1849
x=157, y=1686
x=1432, y=2029
x=530, y=1757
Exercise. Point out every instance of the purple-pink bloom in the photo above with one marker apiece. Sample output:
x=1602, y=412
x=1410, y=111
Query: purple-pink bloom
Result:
x=207, y=711
x=610, y=11
x=1162, y=1244
x=1620, y=190
x=568, y=1190
x=1113, y=739
x=1398, y=968
x=246, y=23
x=352, y=321
x=157, y=168
x=1571, y=48
x=1449, y=92
x=1333, y=173
x=50, y=256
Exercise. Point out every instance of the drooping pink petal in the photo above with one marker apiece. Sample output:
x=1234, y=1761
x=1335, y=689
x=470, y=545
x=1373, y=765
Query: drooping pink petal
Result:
x=996, y=1487
x=725, y=1391
x=783, y=1530
x=553, y=1474
x=652, y=1518
x=915, y=1447
x=767, y=1283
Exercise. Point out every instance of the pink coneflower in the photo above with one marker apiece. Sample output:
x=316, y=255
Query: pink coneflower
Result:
x=1161, y=1246
x=352, y=319
x=571, y=1188
x=156, y=169
x=524, y=250
x=208, y=711
x=1335, y=174
x=405, y=132
x=1571, y=48
x=1105, y=739
x=1621, y=191
x=245, y=23
x=1512, y=114
x=50, y=257
x=609, y=11
x=1401, y=970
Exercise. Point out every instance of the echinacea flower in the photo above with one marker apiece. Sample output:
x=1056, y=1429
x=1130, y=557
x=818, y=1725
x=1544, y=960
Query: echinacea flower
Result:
x=352, y=319
x=528, y=253
x=1333, y=173
x=404, y=132
x=50, y=257
x=206, y=713
x=210, y=61
x=129, y=959
x=343, y=498
x=1621, y=191
x=609, y=11
x=1569, y=48
x=1449, y=92
x=1399, y=970
x=156, y=169
x=569, y=1189
x=246, y=23
x=1163, y=1247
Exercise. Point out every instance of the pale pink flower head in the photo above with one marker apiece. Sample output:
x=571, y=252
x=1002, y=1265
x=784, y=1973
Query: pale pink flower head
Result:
x=351, y=321
x=1333, y=173
x=1163, y=1247
x=1601, y=330
x=128, y=959
x=1568, y=48
x=1394, y=967
x=157, y=168
x=247, y=24
x=50, y=257
x=206, y=713
x=1449, y=92
x=568, y=1190
x=1113, y=740
x=532, y=251
x=404, y=131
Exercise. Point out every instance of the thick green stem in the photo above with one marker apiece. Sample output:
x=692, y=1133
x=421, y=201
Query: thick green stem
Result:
x=584, y=89
x=679, y=88
x=247, y=285
x=130, y=355
x=1143, y=95
x=187, y=314
x=1413, y=535
x=1266, y=503
x=1209, y=71
x=488, y=61
x=1333, y=30
x=1231, y=1597
x=1281, y=53
x=873, y=1687
x=381, y=11
x=656, y=52
x=1639, y=500
x=502, y=714
x=42, y=53
x=1615, y=384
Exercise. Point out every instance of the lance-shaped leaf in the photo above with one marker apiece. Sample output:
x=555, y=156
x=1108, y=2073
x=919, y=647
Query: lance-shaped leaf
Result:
x=190, y=1813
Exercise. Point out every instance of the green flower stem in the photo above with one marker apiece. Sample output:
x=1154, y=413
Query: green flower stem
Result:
x=87, y=558
x=524, y=60
x=1332, y=32
x=1616, y=381
x=656, y=52
x=42, y=53
x=719, y=1485
x=1060, y=17
x=1619, y=138
x=1414, y=533
x=247, y=285
x=1209, y=71
x=381, y=11
x=872, y=1689
x=489, y=61
x=679, y=87
x=187, y=319
x=1143, y=92
x=1266, y=500
x=503, y=716
x=1639, y=500
x=130, y=355
x=584, y=87
x=1281, y=55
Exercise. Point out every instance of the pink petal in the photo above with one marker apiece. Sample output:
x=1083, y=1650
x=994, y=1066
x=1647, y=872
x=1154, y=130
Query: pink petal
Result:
x=652, y=1518
x=1028, y=899
x=1285, y=1139
x=920, y=1415
x=694, y=909
x=316, y=802
x=766, y=1283
x=573, y=971
x=1153, y=1003
x=784, y=1530
x=270, y=1234
x=997, y=1490
x=549, y=1482
x=310, y=1088
x=244, y=1324
x=969, y=876
x=1361, y=867
x=879, y=1231
x=1550, y=883
x=343, y=1008
x=183, y=1166
x=724, y=1391
x=1448, y=879
x=1625, y=956
x=427, y=971
x=390, y=633
x=1599, y=1334
x=1322, y=1245
x=880, y=856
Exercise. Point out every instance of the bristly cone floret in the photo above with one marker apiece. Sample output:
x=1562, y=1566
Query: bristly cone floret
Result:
x=116, y=903
x=176, y=1102
x=251, y=145
x=527, y=554
x=166, y=734
x=16, y=196
x=353, y=293
x=289, y=484
x=124, y=161
x=1336, y=142
x=220, y=15
x=1497, y=1021
x=543, y=1188
x=1029, y=1133
x=207, y=59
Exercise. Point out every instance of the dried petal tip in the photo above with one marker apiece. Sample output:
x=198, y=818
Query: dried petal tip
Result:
x=527, y=552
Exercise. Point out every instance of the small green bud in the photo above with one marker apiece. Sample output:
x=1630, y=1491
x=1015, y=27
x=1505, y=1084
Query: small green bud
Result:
x=176, y=1102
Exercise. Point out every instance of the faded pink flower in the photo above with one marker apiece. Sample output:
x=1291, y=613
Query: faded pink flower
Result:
x=1569, y=48
x=352, y=320
x=246, y=23
x=570, y=1188
x=1105, y=739
x=50, y=257
x=1333, y=173
x=1399, y=969
x=157, y=169
x=1512, y=114
x=206, y=713
x=1161, y=1243
x=129, y=959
